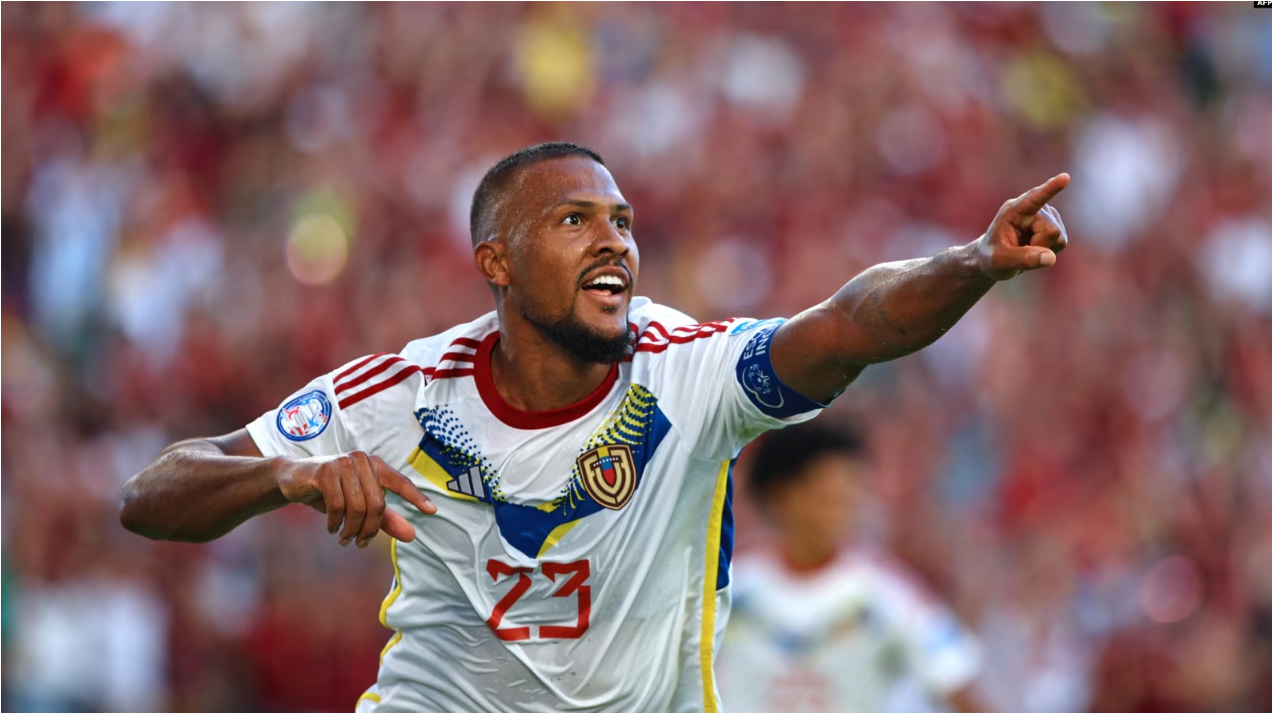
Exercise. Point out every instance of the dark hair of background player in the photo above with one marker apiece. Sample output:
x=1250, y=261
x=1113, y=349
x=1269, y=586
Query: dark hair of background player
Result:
x=784, y=456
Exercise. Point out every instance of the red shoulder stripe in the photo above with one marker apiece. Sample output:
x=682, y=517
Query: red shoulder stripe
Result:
x=682, y=339
x=460, y=358
x=695, y=328
x=457, y=357
x=446, y=373
x=652, y=342
x=379, y=387
x=361, y=363
x=341, y=387
x=681, y=334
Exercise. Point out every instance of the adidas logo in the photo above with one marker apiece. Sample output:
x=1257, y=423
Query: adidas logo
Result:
x=469, y=484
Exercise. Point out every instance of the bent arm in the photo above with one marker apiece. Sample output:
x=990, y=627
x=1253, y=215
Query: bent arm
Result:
x=200, y=489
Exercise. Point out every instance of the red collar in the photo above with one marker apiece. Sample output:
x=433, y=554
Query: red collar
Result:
x=521, y=419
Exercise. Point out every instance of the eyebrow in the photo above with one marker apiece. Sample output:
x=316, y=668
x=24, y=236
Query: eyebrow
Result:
x=592, y=205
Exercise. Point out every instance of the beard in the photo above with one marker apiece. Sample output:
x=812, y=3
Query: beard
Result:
x=579, y=339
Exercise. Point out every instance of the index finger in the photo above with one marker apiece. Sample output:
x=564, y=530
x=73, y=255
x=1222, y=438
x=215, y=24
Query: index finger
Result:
x=1032, y=201
x=390, y=479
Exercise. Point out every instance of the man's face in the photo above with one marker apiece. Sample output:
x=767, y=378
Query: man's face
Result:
x=817, y=510
x=571, y=259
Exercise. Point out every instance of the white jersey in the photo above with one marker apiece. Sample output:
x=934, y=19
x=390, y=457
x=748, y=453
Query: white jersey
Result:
x=856, y=635
x=580, y=557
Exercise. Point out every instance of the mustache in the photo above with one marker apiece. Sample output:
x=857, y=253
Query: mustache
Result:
x=606, y=263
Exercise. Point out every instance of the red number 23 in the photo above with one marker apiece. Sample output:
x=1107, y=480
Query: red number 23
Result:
x=579, y=573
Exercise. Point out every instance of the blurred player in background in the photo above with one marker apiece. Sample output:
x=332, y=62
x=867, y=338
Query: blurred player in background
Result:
x=582, y=439
x=818, y=626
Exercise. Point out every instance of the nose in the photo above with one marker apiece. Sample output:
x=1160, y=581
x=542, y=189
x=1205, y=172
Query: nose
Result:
x=609, y=240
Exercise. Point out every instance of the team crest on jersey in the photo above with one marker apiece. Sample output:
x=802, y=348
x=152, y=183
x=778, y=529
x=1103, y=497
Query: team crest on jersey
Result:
x=306, y=416
x=605, y=477
x=609, y=475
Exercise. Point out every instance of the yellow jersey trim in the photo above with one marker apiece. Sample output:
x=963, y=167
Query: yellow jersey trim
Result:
x=389, y=600
x=555, y=536
x=708, y=636
x=366, y=695
x=436, y=475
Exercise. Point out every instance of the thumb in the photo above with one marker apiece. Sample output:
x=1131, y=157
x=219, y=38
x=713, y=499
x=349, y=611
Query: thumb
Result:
x=1030, y=257
x=1039, y=257
x=1008, y=261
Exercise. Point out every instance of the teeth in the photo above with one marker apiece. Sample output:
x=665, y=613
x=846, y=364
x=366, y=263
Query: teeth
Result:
x=607, y=281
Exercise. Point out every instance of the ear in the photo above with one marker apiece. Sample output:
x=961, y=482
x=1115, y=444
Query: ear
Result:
x=489, y=257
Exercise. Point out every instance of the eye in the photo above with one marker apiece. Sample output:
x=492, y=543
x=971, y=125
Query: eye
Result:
x=623, y=222
x=573, y=219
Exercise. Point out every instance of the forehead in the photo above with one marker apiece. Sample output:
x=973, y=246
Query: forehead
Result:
x=545, y=184
x=833, y=467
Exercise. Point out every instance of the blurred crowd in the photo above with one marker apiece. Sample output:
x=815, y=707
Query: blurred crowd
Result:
x=206, y=205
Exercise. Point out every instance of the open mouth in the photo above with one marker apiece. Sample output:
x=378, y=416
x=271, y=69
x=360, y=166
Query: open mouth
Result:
x=606, y=285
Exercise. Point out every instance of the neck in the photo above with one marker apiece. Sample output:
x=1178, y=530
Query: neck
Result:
x=535, y=374
x=808, y=557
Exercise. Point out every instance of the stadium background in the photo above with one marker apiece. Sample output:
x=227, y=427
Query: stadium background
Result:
x=206, y=205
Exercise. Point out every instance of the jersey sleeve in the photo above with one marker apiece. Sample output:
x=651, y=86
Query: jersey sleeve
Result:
x=720, y=386
x=939, y=651
x=333, y=414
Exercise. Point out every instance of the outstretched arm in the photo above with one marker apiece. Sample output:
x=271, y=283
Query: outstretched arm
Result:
x=201, y=489
x=894, y=309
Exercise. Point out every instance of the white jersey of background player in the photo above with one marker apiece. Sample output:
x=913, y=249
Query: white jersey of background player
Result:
x=577, y=558
x=817, y=628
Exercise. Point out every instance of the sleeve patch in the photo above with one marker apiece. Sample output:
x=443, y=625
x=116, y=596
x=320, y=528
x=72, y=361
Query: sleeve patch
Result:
x=756, y=374
x=747, y=325
x=306, y=416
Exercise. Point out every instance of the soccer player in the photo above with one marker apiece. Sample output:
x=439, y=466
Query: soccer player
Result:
x=556, y=473
x=818, y=628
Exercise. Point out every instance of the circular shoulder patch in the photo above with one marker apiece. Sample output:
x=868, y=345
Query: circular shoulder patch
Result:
x=306, y=416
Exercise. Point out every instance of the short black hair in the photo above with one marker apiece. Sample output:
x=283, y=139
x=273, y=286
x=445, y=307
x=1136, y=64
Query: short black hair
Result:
x=496, y=179
x=784, y=455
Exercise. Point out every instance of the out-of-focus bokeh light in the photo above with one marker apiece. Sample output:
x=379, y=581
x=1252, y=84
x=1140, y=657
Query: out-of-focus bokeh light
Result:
x=554, y=64
x=1171, y=590
x=733, y=276
x=316, y=249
